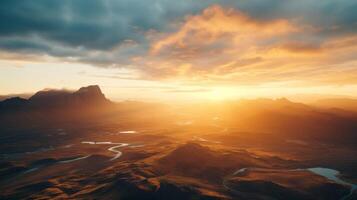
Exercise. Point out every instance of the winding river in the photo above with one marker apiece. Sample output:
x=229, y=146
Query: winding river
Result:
x=74, y=159
x=69, y=160
x=112, y=149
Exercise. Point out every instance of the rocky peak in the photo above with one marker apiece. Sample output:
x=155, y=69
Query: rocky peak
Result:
x=90, y=91
x=53, y=98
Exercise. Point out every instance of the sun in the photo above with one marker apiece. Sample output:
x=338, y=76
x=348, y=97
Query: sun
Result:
x=223, y=93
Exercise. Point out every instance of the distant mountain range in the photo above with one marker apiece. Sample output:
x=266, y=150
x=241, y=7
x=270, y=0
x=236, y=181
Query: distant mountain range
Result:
x=50, y=107
x=340, y=103
x=90, y=96
x=295, y=119
x=21, y=95
x=281, y=116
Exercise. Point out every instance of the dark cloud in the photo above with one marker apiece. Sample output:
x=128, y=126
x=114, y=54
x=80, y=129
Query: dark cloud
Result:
x=22, y=44
x=323, y=14
x=88, y=23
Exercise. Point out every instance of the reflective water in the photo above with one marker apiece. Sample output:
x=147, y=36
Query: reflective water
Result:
x=74, y=159
x=129, y=132
x=112, y=149
x=332, y=175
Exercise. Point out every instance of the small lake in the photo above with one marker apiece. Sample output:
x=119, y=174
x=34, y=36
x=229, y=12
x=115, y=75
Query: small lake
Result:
x=128, y=132
x=333, y=175
x=330, y=174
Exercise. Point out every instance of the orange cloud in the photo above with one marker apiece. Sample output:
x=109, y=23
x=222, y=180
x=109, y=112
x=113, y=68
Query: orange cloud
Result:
x=216, y=23
x=225, y=46
x=217, y=42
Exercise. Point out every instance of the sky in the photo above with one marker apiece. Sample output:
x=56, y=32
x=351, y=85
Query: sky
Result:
x=180, y=50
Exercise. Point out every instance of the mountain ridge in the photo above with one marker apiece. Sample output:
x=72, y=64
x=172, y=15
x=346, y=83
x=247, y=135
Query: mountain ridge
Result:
x=85, y=96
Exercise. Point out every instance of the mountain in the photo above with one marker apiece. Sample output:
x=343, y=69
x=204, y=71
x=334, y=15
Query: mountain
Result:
x=13, y=103
x=90, y=95
x=21, y=95
x=280, y=117
x=46, y=98
x=197, y=161
x=296, y=120
x=341, y=103
x=53, y=106
x=55, y=99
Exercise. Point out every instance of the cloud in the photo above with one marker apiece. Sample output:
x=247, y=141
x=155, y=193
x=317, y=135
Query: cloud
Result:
x=202, y=41
x=217, y=41
x=232, y=35
x=227, y=46
x=86, y=31
x=103, y=25
x=199, y=90
x=301, y=47
x=215, y=23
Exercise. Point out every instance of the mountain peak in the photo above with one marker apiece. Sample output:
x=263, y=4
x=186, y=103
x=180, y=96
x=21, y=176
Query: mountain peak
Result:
x=85, y=96
x=92, y=92
x=283, y=100
x=90, y=88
